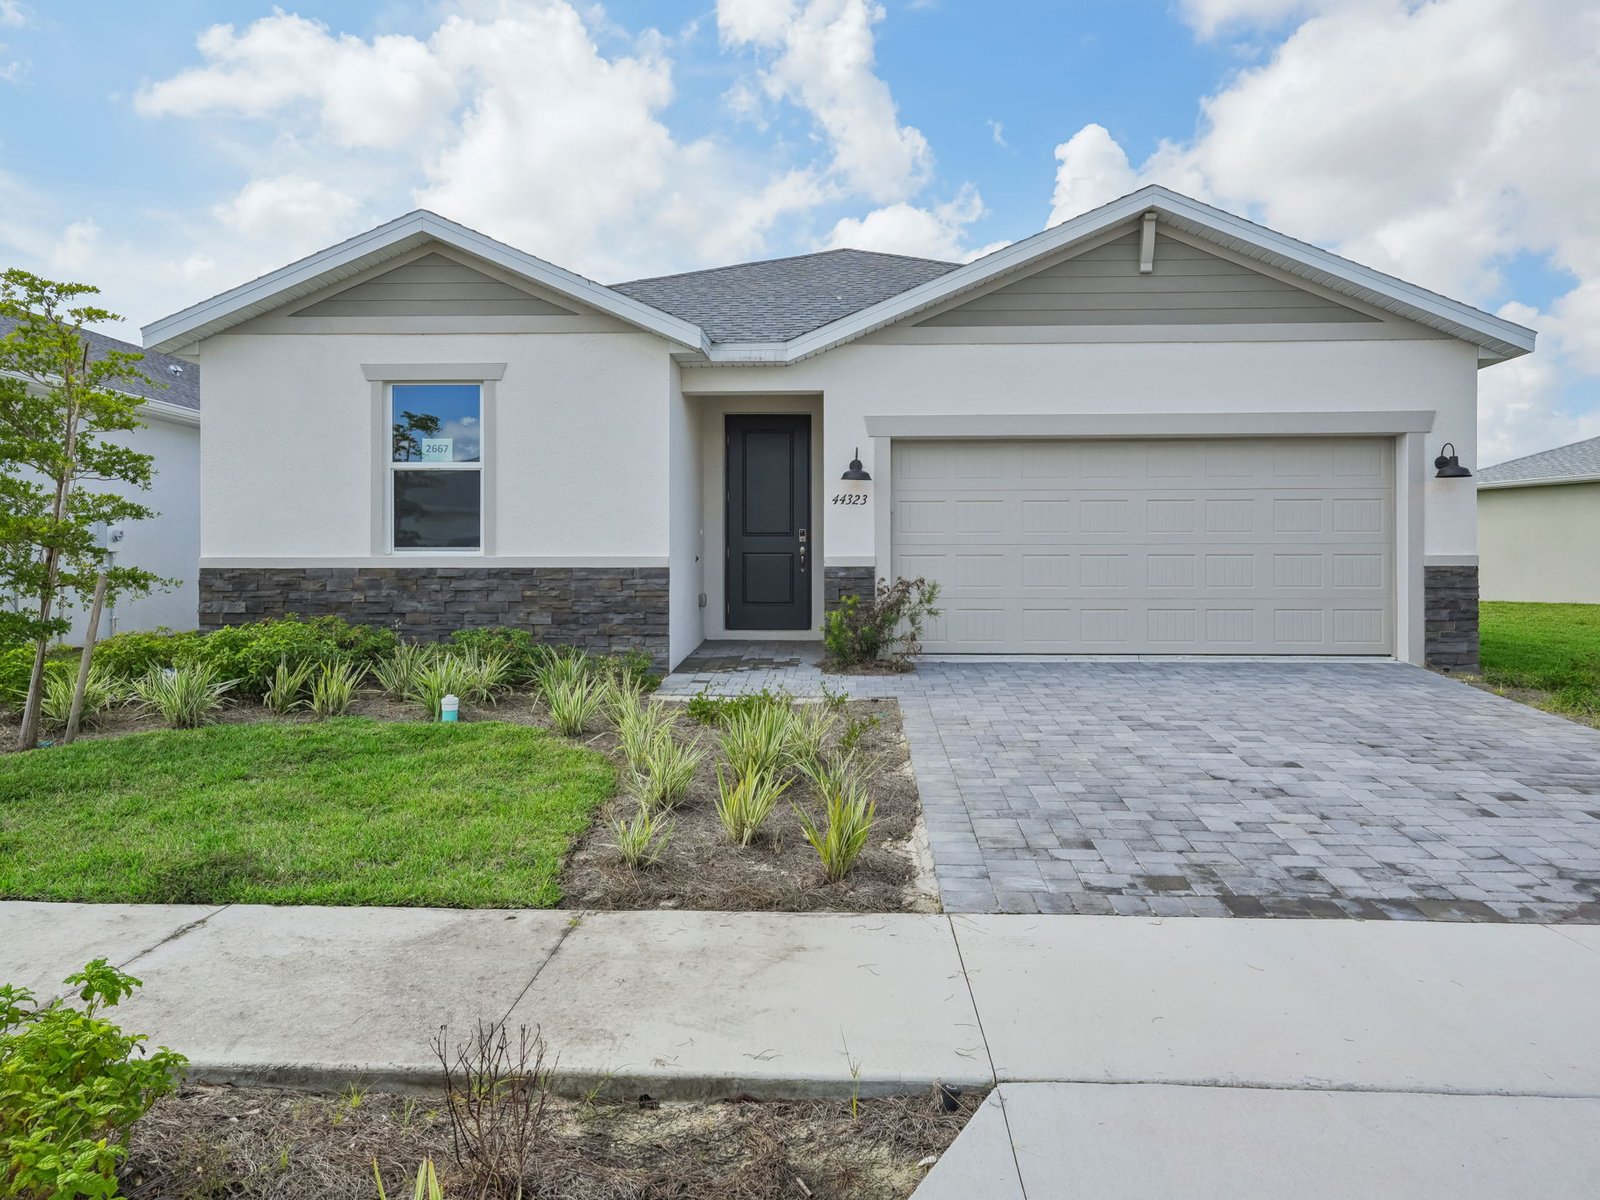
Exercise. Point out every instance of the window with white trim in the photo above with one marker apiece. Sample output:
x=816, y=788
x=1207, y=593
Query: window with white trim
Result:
x=436, y=467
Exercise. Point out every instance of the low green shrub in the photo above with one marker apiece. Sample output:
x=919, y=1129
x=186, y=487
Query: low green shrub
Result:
x=72, y=1084
x=251, y=653
x=886, y=630
x=641, y=841
x=185, y=696
x=16, y=668
x=517, y=645
x=855, y=729
x=133, y=655
x=719, y=710
x=744, y=805
x=847, y=816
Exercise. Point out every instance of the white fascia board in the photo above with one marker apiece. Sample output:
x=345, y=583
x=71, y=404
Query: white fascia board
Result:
x=1501, y=338
x=164, y=410
x=183, y=329
x=1556, y=481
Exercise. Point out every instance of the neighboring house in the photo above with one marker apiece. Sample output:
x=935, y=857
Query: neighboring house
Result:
x=1539, y=526
x=169, y=543
x=1156, y=428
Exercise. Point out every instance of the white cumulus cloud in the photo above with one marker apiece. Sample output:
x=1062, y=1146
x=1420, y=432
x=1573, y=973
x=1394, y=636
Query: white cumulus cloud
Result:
x=1438, y=141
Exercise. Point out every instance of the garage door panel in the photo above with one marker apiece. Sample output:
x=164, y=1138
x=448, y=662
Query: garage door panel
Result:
x=1182, y=546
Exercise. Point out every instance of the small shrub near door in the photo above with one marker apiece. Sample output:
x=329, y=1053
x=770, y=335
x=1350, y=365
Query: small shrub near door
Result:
x=72, y=1084
x=885, y=631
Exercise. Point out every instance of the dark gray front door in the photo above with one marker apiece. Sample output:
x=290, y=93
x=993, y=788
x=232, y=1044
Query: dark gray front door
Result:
x=769, y=516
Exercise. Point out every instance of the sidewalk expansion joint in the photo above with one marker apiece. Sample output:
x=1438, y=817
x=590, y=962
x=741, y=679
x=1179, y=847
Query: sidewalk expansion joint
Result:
x=1321, y=1085
x=988, y=1053
x=571, y=926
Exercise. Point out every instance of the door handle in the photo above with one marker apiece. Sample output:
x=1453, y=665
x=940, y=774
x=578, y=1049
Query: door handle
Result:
x=802, y=551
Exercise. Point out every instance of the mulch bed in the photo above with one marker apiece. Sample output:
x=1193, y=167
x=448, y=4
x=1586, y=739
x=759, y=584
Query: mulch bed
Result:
x=251, y=1143
x=702, y=869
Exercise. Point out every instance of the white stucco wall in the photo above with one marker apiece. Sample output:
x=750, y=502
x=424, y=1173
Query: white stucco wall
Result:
x=862, y=380
x=168, y=544
x=1540, y=543
x=579, y=445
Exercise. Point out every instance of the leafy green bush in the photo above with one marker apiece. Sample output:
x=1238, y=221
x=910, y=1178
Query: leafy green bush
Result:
x=516, y=645
x=71, y=1086
x=251, y=653
x=886, y=630
x=133, y=655
x=719, y=710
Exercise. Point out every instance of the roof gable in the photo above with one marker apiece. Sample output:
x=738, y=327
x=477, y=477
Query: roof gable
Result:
x=1497, y=338
x=432, y=285
x=1106, y=284
x=399, y=237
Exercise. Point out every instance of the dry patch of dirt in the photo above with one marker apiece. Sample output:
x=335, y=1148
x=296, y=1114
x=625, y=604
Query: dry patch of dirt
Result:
x=779, y=871
x=267, y=1144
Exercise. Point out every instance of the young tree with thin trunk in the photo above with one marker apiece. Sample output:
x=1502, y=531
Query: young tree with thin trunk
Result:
x=60, y=412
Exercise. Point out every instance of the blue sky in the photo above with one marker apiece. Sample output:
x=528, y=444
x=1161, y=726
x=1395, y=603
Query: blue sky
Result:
x=146, y=150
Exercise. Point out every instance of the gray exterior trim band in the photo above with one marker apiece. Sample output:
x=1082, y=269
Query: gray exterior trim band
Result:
x=404, y=562
x=1108, y=425
x=1450, y=560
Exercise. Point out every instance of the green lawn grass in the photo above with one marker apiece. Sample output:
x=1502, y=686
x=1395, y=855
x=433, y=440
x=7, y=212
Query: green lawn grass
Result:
x=1550, y=648
x=350, y=811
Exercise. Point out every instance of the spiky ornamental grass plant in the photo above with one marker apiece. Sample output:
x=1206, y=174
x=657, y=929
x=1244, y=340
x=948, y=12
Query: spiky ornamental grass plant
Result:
x=665, y=771
x=286, y=689
x=488, y=673
x=641, y=841
x=397, y=674
x=573, y=703
x=641, y=728
x=756, y=741
x=562, y=670
x=810, y=730
x=333, y=688
x=443, y=675
x=101, y=691
x=744, y=805
x=185, y=697
x=847, y=816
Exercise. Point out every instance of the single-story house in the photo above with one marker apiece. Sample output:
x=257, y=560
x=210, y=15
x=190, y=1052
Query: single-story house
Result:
x=1156, y=428
x=168, y=543
x=1539, y=526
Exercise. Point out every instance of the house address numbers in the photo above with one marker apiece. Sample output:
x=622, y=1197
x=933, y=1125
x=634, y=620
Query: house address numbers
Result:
x=850, y=498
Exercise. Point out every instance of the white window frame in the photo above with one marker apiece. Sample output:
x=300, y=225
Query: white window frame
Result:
x=384, y=377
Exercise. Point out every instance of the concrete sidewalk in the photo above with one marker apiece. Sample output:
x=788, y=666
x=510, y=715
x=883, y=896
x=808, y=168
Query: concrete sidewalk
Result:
x=712, y=1004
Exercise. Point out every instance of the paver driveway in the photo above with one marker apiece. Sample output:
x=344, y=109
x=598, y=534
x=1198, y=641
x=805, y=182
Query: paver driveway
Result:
x=1213, y=788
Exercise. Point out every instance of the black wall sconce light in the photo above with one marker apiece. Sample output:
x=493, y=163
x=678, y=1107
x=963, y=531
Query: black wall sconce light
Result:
x=855, y=472
x=1448, y=464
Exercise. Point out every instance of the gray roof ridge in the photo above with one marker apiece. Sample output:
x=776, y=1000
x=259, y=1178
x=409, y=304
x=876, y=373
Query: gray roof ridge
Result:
x=1571, y=459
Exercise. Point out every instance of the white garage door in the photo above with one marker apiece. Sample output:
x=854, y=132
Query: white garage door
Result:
x=1182, y=546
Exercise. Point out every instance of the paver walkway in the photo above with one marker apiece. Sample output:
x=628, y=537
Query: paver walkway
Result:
x=1376, y=790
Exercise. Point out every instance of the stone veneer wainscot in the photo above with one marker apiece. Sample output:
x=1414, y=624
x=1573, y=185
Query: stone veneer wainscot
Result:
x=1450, y=598
x=602, y=609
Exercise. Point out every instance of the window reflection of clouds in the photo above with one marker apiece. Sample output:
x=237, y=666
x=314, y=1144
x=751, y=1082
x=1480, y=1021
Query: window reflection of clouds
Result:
x=437, y=410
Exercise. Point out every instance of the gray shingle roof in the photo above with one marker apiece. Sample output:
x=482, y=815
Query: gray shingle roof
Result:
x=1578, y=460
x=782, y=298
x=163, y=377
